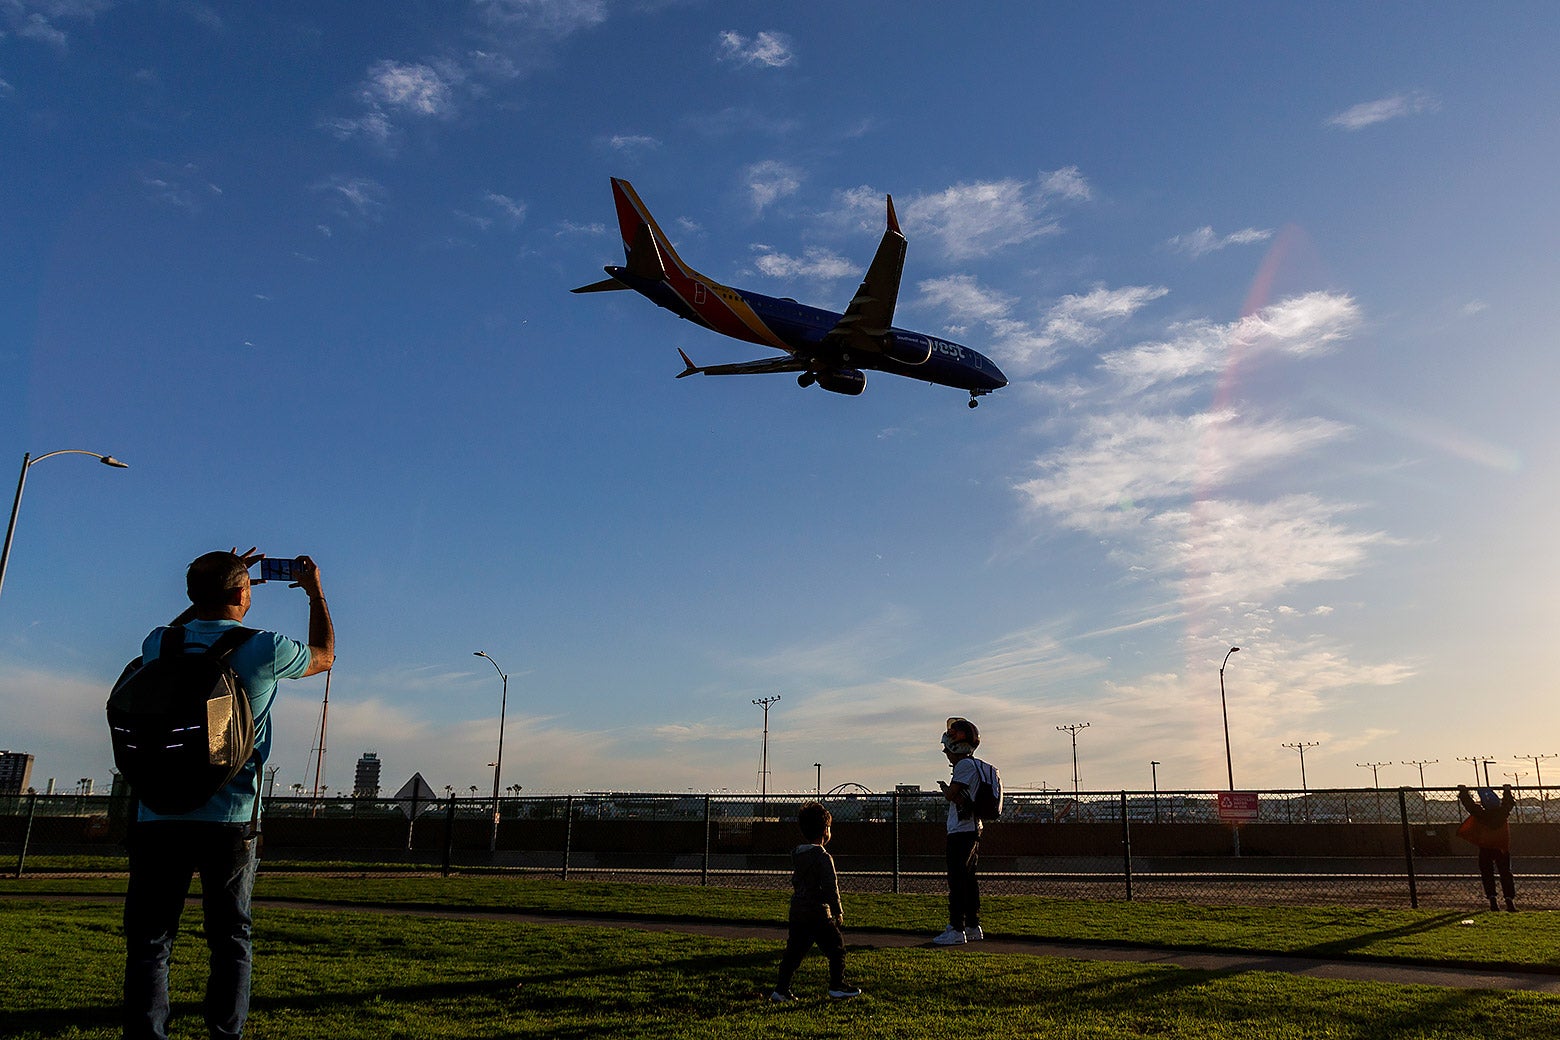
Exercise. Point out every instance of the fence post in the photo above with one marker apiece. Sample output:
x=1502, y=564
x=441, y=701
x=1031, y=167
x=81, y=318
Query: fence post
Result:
x=568, y=833
x=894, y=808
x=449, y=834
x=1408, y=848
x=21, y=858
x=704, y=871
x=1126, y=845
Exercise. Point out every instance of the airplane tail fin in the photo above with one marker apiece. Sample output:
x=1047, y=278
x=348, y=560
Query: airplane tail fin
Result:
x=645, y=246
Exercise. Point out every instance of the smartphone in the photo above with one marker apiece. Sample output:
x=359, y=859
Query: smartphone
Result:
x=278, y=569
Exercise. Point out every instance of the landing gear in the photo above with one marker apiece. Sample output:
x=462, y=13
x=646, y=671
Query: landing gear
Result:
x=806, y=379
x=974, y=401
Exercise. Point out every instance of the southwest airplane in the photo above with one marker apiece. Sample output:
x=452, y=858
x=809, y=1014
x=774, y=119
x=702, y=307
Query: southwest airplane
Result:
x=823, y=347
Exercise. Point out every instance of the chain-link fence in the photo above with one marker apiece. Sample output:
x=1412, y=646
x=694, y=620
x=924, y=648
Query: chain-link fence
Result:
x=1386, y=847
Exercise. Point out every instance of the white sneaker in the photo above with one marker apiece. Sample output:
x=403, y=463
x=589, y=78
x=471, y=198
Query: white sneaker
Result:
x=951, y=937
x=974, y=934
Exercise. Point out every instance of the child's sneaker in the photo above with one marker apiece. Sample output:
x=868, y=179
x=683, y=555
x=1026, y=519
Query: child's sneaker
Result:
x=782, y=996
x=974, y=934
x=844, y=991
x=952, y=937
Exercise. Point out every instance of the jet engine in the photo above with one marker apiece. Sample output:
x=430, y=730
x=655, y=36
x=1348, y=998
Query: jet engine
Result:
x=848, y=381
x=907, y=348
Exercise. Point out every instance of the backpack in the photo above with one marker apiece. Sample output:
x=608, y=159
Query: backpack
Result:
x=181, y=723
x=988, y=793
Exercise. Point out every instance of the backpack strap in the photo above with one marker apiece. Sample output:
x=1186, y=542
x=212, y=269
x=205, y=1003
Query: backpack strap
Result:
x=231, y=640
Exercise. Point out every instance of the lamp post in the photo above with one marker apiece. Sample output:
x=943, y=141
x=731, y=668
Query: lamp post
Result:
x=21, y=482
x=1229, y=763
x=498, y=762
x=819, y=766
x=1153, y=768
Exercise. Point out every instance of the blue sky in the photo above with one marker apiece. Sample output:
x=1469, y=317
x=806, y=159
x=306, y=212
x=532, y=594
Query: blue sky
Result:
x=1274, y=288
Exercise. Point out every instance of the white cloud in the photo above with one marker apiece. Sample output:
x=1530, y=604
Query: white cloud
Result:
x=414, y=88
x=40, y=20
x=556, y=18
x=1204, y=240
x=769, y=181
x=354, y=198
x=1370, y=113
x=632, y=143
x=1125, y=466
x=507, y=207
x=182, y=187
x=770, y=49
x=816, y=264
x=1296, y=326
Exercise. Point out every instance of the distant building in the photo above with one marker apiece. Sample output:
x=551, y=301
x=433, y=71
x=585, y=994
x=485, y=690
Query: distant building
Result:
x=366, y=783
x=15, y=771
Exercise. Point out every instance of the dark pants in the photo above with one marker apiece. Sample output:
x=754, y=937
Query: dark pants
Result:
x=813, y=925
x=1489, y=861
x=164, y=856
x=963, y=889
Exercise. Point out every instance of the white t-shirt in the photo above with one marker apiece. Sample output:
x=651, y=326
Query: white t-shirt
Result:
x=967, y=772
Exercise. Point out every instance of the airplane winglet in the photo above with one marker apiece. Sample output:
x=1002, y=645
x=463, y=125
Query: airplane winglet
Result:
x=893, y=221
x=692, y=369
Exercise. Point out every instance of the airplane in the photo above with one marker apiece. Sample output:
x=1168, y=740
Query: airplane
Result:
x=823, y=347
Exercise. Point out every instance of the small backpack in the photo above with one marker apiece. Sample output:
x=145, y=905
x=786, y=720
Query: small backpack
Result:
x=988, y=793
x=181, y=723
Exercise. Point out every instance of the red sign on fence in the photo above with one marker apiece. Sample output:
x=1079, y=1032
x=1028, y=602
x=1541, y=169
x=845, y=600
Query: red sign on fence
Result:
x=1237, y=807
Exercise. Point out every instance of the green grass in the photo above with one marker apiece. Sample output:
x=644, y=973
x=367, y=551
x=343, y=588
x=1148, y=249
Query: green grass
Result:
x=344, y=975
x=1527, y=940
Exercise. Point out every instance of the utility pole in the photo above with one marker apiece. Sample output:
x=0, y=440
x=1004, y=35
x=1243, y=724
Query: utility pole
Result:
x=763, y=768
x=1153, y=768
x=1375, y=780
x=1073, y=730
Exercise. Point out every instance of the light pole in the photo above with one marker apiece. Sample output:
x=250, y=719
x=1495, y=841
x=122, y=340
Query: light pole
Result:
x=1375, y=780
x=1073, y=730
x=763, y=761
x=819, y=766
x=498, y=762
x=1476, y=759
x=1518, y=778
x=1300, y=746
x=1153, y=769
x=1229, y=763
x=21, y=482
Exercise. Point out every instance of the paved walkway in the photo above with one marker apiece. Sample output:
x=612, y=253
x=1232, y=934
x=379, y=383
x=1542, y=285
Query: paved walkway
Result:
x=868, y=939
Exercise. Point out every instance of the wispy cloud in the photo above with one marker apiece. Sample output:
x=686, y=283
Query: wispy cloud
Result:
x=769, y=49
x=770, y=181
x=1369, y=113
x=815, y=264
x=511, y=210
x=183, y=187
x=1204, y=240
x=632, y=144
x=357, y=199
x=44, y=21
x=555, y=18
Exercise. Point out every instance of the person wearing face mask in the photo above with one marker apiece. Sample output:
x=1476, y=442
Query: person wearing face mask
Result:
x=959, y=740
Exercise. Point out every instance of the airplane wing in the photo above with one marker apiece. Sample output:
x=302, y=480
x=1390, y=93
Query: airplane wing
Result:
x=744, y=368
x=866, y=321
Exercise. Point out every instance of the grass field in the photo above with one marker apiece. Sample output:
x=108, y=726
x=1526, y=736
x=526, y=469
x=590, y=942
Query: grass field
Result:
x=339, y=973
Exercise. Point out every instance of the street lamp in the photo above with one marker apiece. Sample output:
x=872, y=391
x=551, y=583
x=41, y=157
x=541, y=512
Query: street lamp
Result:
x=1229, y=763
x=498, y=763
x=21, y=482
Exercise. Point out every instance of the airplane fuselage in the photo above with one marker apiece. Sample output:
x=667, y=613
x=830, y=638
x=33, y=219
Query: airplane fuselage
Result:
x=803, y=330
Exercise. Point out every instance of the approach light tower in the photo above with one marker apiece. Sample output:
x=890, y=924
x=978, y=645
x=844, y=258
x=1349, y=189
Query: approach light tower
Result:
x=763, y=761
x=1072, y=730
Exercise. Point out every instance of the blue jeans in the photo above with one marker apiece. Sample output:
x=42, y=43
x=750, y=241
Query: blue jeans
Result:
x=164, y=856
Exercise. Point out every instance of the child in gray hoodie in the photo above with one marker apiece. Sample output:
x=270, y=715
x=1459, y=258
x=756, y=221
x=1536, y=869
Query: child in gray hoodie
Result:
x=816, y=915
